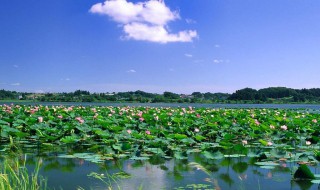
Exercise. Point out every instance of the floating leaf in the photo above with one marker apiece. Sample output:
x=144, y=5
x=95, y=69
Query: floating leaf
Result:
x=317, y=181
x=180, y=156
x=303, y=172
x=139, y=158
x=266, y=163
x=267, y=167
x=234, y=155
x=216, y=155
x=66, y=156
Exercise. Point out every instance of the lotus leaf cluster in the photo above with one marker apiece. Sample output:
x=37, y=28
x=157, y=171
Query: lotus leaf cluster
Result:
x=138, y=132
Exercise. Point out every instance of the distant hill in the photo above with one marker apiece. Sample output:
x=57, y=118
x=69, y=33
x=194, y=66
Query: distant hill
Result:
x=246, y=95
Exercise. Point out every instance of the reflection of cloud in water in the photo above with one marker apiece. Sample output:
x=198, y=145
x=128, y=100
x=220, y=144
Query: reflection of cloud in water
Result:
x=148, y=176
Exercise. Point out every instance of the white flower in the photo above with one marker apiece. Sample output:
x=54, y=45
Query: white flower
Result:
x=284, y=127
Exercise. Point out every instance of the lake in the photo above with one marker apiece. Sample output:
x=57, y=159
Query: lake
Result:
x=159, y=173
x=185, y=165
x=196, y=105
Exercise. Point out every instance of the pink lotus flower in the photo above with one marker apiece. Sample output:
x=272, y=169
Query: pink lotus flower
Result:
x=141, y=119
x=314, y=121
x=129, y=131
x=156, y=118
x=244, y=142
x=198, y=116
x=40, y=119
x=269, y=143
x=139, y=114
x=256, y=122
x=80, y=120
x=308, y=143
x=148, y=132
x=272, y=127
x=284, y=127
x=60, y=116
x=196, y=130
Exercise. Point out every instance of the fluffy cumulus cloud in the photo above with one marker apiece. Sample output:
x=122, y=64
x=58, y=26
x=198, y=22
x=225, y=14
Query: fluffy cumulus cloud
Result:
x=144, y=20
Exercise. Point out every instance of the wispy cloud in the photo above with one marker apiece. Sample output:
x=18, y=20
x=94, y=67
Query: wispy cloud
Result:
x=15, y=84
x=131, y=71
x=217, y=61
x=188, y=55
x=146, y=21
x=217, y=46
x=190, y=21
x=65, y=79
x=15, y=66
x=171, y=69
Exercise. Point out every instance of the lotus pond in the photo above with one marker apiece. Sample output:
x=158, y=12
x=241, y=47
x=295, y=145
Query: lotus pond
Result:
x=101, y=147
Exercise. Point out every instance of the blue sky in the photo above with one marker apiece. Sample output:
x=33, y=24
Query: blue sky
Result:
x=176, y=45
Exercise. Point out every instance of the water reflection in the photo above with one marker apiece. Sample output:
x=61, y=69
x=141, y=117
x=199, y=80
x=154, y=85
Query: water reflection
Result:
x=160, y=173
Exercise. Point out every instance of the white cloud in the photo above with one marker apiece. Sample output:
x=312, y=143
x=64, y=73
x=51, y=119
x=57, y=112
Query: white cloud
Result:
x=216, y=45
x=188, y=55
x=221, y=61
x=131, y=71
x=156, y=33
x=15, y=66
x=145, y=21
x=15, y=84
x=39, y=91
x=190, y=21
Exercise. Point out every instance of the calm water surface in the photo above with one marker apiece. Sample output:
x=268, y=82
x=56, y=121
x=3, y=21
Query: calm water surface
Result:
x=158, y=173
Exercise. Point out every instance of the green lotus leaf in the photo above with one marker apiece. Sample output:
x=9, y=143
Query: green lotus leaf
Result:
x=139, y=158
x=267, y=167
x=213, y=155
x=317, y=175
x=234, y=155
x=69, y=139
x=303, y=172
x=180, y=156
x=266, y=163
x=199, y=137
x=66, y=156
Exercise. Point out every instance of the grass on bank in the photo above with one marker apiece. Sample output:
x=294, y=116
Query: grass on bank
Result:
x=14, y=176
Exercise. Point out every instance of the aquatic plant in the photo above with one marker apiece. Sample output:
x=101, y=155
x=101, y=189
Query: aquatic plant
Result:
x=14, y=175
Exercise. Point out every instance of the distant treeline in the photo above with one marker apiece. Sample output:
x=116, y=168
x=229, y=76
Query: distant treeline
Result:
x=246, y=95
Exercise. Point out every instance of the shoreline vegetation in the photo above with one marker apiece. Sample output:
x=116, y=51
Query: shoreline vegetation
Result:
x=271, y=95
